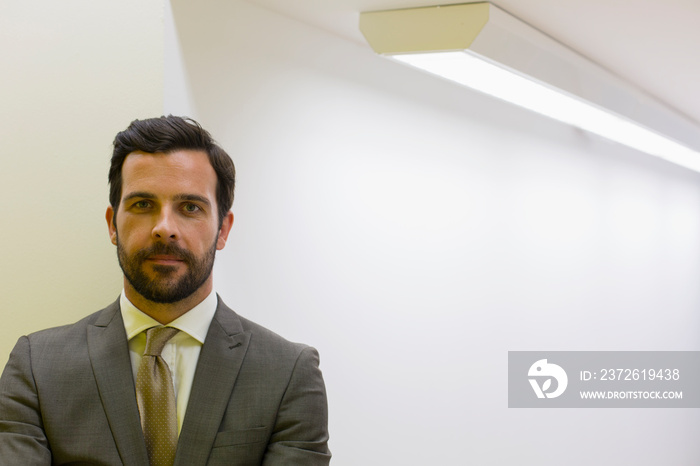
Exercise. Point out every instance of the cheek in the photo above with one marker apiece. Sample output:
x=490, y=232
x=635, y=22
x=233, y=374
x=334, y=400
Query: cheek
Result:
x=133, y=232
x=198, y=236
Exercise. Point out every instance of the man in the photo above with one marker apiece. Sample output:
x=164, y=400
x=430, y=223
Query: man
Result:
x=167, y=374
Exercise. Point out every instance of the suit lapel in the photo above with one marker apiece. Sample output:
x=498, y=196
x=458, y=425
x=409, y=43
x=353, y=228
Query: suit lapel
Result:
x=109, y=356
x=219, y=362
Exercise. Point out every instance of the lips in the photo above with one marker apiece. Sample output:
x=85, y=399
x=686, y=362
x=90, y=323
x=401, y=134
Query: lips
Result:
x=164, y=259
x=166, y=255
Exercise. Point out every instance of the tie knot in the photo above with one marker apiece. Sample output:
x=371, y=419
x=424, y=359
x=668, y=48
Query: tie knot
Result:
x=156, y=338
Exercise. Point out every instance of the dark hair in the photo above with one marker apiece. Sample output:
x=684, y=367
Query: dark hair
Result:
x=167, y=134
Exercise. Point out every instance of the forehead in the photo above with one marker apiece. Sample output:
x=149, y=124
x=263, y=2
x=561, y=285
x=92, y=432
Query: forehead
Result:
x=177, y=172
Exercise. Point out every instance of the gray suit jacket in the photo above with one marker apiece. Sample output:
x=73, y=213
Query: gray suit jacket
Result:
x=67, y=396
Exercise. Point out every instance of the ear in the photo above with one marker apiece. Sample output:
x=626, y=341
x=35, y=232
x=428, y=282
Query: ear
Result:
x=224, y=231
x=109, y=216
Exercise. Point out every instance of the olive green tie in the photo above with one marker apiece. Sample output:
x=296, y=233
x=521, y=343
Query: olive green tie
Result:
x=156, y=399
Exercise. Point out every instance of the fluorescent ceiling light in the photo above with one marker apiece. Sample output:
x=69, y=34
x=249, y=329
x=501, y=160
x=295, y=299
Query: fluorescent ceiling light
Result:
x=482, y=47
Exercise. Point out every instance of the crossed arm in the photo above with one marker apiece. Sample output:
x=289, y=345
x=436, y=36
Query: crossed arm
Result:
x=299, y=435
x=22, y=437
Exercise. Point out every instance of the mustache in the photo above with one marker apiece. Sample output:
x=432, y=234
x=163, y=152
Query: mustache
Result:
x=161, y=249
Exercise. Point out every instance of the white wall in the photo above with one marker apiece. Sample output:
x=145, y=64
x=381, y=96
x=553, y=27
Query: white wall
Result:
x=74, y=73
x=415, y=232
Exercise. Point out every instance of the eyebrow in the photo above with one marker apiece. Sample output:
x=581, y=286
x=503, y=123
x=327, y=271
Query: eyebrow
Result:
x=179, y=197
x=142, y=194
x=193, y=197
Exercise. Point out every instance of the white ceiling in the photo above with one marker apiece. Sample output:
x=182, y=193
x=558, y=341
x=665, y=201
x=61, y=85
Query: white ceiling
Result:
x=653, y=44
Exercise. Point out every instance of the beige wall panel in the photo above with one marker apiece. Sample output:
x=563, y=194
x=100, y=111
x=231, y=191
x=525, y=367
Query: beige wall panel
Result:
x=74, y=74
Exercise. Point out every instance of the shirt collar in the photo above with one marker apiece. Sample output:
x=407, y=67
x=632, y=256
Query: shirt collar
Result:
x=194, y=322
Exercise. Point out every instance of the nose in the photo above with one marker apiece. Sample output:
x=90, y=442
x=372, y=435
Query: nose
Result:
x=165, y=228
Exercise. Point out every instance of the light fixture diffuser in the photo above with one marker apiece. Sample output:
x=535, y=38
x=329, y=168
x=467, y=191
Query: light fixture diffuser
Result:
x=482, y=47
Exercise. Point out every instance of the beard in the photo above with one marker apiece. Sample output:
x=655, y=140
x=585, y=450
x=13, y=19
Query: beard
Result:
x=165, y=288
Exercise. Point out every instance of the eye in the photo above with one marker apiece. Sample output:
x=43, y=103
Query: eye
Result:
x=191, y=208
x=142, y=204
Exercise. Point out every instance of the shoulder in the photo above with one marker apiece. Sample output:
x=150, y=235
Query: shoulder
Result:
x=60, y=352
x=76, y=331
x=263, y=342
x=264, y=335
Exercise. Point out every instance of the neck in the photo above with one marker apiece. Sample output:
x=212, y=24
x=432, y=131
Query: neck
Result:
x=166, y=312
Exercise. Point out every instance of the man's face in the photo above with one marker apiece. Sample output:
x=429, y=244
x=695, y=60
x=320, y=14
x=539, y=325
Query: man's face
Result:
x=167, y=230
